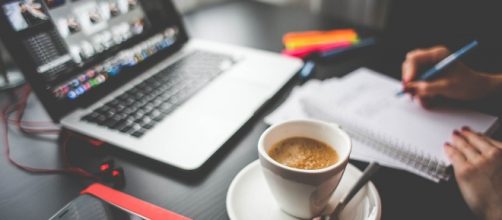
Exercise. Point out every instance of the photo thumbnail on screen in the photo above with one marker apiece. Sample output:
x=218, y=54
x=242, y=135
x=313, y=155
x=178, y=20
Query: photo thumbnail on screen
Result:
x=24, y=14
x=54, y=3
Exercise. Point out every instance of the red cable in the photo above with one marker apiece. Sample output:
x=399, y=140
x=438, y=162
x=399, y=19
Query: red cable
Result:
x=20, y=112
x=5, y=120
x=32, y=129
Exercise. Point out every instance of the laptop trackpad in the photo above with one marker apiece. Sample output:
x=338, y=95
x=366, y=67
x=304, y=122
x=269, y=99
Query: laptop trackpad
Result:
x=205, y=122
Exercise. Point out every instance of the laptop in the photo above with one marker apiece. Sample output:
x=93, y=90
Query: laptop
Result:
x=126, y=72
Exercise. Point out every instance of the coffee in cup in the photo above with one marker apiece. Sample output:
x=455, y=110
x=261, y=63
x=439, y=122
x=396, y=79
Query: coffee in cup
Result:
x=303, y=153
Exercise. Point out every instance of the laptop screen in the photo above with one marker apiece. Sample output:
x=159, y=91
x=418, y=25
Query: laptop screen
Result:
x=71, y=49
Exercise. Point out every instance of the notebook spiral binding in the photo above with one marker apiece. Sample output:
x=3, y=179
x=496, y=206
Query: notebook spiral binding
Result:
x=413, y=158
x=395, y=148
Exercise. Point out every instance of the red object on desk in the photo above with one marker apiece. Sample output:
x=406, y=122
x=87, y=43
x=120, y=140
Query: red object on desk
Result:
x=130, y=203
x=305, y=51
x=104, y=167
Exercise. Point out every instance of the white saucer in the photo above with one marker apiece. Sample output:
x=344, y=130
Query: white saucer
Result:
x=248, y=197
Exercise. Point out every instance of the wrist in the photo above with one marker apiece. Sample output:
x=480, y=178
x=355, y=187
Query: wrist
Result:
x=493, y=214
x=493, y=82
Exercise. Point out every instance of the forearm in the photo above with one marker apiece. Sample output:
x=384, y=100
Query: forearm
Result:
x=494, y=83
x=493, y=213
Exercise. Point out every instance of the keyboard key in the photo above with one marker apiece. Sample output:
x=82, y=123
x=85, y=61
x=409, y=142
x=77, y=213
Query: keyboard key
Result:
x=138, y=95
x=129, y=110
x=157, y=102
x=139, y=114
x=129, y=101
x=120, y=107
x=139, y=133
x=122, y=97
x=148, y=108
x=110, y=113
x=133, y=91
x=103, y=109
x=144, y=120
x=119, y=117
x=125, y=129
x=125, y=122
x=113, y=103
x=149, y=97
x=93, y=117
x=156, y=84
x=149, y=125
x=159, y=117
x=130, y=128
x=163, y=88
x=155, y=113
x=137, y=104
x=100, y=119
x=111, y=123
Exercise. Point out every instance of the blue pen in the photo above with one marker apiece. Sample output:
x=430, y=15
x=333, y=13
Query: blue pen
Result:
x=439, y=67
x=307, y=70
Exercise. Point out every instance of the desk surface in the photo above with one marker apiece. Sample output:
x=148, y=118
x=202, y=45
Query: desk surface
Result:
x=201, y=194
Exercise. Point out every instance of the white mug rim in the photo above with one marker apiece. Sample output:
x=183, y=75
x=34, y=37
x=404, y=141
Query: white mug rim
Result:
x=341, y=161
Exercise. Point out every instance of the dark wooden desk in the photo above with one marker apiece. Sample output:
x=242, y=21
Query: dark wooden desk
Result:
x=201, y=194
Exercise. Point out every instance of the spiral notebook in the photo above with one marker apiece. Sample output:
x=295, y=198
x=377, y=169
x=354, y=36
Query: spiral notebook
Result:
x=366, y=106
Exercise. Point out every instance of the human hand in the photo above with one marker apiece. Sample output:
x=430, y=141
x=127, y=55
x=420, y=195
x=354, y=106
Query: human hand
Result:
x=477, y=163
x=459, y=82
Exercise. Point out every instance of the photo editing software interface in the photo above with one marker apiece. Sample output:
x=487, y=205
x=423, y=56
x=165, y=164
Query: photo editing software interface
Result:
x=76, y=44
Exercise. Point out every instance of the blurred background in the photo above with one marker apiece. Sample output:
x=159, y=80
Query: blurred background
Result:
x=3, y=53
x=370, y=13
x=402, y=25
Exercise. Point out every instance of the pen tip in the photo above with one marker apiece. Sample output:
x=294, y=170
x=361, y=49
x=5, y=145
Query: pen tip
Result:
x=401, y=93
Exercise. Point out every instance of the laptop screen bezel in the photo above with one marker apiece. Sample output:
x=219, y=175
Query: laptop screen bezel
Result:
x=58, y=108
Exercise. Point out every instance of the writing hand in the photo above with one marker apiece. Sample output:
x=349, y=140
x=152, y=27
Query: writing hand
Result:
x=459, y=82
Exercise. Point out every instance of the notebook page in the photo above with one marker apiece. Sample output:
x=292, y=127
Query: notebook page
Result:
x=369, y=98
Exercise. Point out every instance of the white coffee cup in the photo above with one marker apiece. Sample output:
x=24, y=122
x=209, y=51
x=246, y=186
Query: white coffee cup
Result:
x=299, y=192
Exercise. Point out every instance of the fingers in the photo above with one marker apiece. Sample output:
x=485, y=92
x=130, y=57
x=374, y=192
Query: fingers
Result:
x=423, y=89
x=424, y=102
x=495, y=143
x=479, y=142
x=456, y=157
x=428, y=102
x=474, y=145
x=464, y=146
x=415, y=60
x=409, y=71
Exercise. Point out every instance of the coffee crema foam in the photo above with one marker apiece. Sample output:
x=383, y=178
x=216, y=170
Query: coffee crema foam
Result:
x=303, y=153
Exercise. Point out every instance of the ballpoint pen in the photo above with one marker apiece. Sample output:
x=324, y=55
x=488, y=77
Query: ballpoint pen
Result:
x=437, y=69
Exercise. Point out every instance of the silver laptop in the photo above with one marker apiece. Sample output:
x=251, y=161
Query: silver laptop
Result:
x=125, y=71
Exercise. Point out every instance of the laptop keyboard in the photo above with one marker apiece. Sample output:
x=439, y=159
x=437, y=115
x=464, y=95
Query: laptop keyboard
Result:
x=139, y=109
